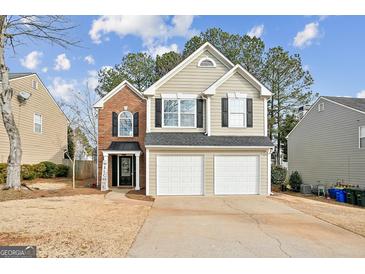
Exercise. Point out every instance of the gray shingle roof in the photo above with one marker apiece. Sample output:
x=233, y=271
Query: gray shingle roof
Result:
x=18, y=75
x=356, y=103
x=200, y=139
x=125, y=146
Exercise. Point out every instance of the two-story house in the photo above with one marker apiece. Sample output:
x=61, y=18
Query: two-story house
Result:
x=328, y=143
x=41, y=123
x=199, y=130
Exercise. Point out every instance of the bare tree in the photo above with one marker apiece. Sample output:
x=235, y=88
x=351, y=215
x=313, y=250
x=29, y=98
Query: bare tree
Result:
x=15, y=31
x=81, y=113
x=72, y=156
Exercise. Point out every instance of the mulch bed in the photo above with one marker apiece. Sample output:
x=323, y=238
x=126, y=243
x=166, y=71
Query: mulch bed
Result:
x=139, y=195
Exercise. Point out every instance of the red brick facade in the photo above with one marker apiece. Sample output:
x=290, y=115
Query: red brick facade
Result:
x=124, y=98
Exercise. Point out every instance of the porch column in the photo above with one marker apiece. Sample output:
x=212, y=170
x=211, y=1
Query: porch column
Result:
x=137, y=172
x=104, y=174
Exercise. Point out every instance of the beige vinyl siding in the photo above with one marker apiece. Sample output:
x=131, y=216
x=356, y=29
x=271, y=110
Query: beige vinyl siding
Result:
x=50, y=144
x=192, y=79
x=324, y=147
x=236, y=83
x=208, y=155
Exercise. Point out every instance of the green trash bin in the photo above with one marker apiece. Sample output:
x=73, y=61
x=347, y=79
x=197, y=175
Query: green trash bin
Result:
x=350, y=196
x=360, y=197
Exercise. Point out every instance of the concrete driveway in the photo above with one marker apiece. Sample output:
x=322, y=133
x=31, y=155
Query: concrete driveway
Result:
x=250, y=226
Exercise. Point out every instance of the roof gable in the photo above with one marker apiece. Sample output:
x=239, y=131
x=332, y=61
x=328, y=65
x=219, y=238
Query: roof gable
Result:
x=332, y=99
x=17, y=76
x=245, y=74
x=205, y=47
x=100, y=103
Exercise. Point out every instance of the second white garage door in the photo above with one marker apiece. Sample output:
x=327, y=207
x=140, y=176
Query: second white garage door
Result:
x=179, y=175
x=236, y=175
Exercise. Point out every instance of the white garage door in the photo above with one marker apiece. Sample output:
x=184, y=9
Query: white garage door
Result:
x=179, y=175
x=236, y=175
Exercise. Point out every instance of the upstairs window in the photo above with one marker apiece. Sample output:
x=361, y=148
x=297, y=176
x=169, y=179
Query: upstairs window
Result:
x=320, y=107
x=237, y=112
x=37, y=123
x=34, y=84
x=125, y=128
x=206, y=62
x=179, y=113
x=362, y=137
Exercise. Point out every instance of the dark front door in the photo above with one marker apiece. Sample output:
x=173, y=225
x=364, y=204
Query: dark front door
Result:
x=125, y=170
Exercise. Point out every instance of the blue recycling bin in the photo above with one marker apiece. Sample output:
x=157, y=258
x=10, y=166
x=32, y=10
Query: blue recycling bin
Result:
x=332, y=193
x=340, y=196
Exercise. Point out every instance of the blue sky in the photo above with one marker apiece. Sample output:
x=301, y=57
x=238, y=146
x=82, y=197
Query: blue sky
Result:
x=332, y=47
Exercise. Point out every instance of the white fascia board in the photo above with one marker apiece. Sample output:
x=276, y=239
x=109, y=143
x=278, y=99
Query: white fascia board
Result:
x=211, y=147
x=151, y=90
x=245, y=74
x=116, y=152
x=100, y=103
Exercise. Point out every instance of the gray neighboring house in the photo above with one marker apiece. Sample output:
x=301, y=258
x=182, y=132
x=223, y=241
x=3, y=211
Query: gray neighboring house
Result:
x=328, y=143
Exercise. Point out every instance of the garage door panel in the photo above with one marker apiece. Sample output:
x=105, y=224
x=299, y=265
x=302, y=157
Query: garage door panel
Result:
x=236, y=175
x=179, y=175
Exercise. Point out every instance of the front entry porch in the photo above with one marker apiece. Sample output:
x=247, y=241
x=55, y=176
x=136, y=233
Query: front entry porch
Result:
x=124, y=168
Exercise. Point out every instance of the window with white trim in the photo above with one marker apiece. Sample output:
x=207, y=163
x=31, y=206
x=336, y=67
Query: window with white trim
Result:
x=237, y=112
x=179, y=113
x=320, y=107
x=34, y=84
x=207, y=62
x=37, y=123
x=362, y=137
x=125, y=124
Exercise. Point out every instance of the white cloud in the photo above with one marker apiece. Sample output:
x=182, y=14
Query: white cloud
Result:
x=361, y=94
x=153, y=30
x=45, y=69
x=62, y=62
x=305, y=37
x=89, y=59
x=91, y=81
x=256, y=31
x=63, y=89
x=32, y=60
x=159, y=50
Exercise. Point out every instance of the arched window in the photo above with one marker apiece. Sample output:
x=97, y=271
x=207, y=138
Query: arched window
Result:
x=206, y=62
x=125, y=124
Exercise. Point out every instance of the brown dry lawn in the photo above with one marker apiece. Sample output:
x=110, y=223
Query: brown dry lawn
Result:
x=49, y=188
x=343, y=215
x=63, y=223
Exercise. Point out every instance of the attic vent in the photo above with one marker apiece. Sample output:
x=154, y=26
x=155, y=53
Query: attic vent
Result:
x=207, y=62
x=320, y=107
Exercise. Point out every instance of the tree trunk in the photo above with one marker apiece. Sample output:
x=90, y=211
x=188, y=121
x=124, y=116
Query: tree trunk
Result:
x=6, y=94
x=74, y=173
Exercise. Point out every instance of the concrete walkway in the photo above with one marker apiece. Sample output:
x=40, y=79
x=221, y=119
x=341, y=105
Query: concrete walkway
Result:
x=250, y=226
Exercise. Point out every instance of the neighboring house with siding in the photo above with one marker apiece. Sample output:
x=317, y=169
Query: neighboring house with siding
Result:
x=199, y=130
x=42, y=124
x=328, y=143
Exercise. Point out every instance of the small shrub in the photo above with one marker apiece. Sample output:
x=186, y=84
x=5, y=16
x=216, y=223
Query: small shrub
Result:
x=50, y=171
x=295, y=181
x=278, y=174
x=39, y=169
x=62, y=170
x=3, y=172
x=27, y=172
